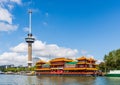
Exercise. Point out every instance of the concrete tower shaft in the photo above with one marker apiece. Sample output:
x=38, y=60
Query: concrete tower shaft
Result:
x=29, y=54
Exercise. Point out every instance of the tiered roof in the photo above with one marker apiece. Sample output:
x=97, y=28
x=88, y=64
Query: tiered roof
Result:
x=85, y=58
x=40, y=62
x=61, y=59
x=82, y=58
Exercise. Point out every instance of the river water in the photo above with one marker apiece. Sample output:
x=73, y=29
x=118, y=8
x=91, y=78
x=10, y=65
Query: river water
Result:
x=57, y=80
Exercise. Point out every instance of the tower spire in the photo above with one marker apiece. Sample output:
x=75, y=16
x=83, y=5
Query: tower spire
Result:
x=30, y=20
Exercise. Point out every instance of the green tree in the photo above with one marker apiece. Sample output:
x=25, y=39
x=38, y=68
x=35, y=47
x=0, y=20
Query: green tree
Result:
x=102, y=66
x=112, y=60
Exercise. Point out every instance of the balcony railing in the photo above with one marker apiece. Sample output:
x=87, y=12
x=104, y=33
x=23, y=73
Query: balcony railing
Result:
x=68, y=73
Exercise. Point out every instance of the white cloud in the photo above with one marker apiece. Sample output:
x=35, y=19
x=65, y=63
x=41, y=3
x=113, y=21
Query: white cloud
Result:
x=18, y=54
x=7, y=27
x=39, y=45
x=6, y=17
x=12, y=58
x=46, y=50
x=21, y=48
x=16, y=1
x=52, y=50
x=10, y=7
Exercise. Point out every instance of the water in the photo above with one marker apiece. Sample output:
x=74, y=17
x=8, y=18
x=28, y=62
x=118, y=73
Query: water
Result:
x=57, y=80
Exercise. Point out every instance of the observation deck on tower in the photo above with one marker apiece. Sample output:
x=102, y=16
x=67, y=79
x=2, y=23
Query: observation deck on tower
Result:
x=30, y=39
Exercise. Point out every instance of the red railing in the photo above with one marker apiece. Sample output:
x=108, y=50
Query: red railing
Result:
x=78, y=73
x=86, y=73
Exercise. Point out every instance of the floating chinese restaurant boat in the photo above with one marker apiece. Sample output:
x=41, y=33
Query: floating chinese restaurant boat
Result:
x=64, y=66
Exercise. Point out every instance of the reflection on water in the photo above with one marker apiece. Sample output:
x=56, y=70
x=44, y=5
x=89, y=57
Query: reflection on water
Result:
x=57, y=80
x=114, y=80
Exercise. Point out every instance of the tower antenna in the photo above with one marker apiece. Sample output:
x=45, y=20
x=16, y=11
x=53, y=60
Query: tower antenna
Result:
x=30, y=20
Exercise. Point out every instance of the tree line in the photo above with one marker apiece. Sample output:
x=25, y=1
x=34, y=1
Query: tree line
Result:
x=111, y=61
x=17, y=69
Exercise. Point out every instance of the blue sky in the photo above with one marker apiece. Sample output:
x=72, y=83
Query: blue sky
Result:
x=91, y=27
